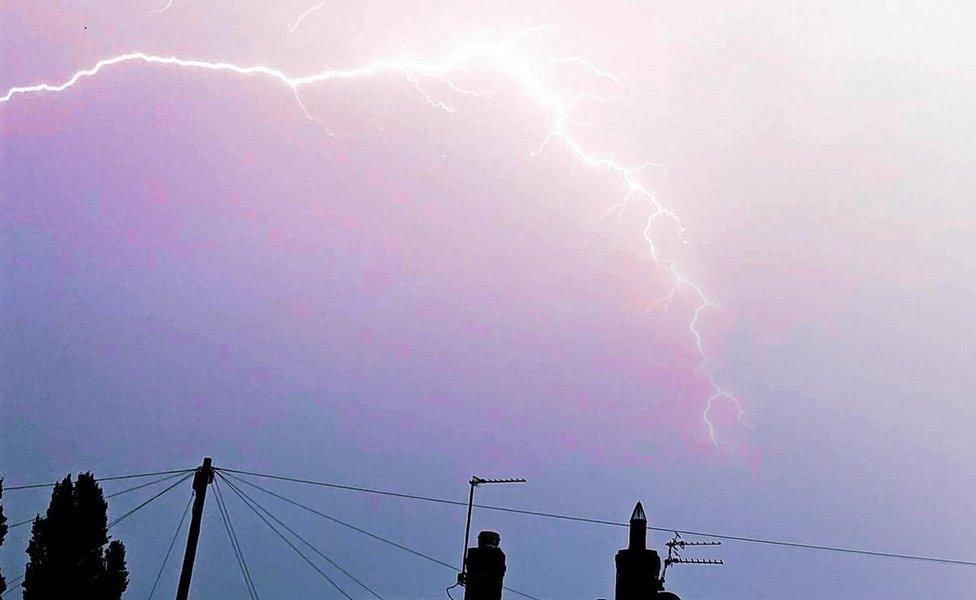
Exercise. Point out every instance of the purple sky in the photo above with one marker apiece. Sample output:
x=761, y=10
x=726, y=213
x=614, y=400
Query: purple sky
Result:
x=395, y=281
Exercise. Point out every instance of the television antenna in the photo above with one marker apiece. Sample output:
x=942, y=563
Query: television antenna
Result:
x=678, y=544
x=475, y=482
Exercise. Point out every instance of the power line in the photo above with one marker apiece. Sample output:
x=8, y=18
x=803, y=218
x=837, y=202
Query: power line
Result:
x=235, y=543
x=19, y=523
x=172, y=543
x=593, y=521
x=142, y=485
x=364, y=532
x=29, y=486
x=448, y=590
x=247, y=501
x=309, y=544
x=346, y=487
x=878, y=553
x=345, y=524
x=428, y=498
x=10, y=585
x=112, y=495
x=139, y=507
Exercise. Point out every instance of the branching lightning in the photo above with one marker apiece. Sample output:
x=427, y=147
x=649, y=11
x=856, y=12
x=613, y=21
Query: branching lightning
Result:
x=304, y=15
x=508, y=59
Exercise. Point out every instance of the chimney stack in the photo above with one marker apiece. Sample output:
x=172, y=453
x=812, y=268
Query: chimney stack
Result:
x=486, y=569
x=638, y=569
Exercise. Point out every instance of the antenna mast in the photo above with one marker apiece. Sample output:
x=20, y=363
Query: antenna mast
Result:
x=475, y=482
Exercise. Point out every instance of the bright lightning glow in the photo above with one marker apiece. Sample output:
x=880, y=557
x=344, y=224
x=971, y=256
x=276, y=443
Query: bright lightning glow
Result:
x=505, y=58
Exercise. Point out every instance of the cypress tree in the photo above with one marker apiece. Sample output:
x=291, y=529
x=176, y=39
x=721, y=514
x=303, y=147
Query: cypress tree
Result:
x=71, y=554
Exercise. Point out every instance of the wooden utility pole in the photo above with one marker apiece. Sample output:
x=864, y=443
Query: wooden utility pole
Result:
x=201, y=479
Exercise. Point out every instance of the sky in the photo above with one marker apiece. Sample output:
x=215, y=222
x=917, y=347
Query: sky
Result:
x=716, y=257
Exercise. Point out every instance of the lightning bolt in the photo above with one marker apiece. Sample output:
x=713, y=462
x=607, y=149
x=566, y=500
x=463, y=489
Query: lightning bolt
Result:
x=159, y=11
x=506, y=58
x=305, y=14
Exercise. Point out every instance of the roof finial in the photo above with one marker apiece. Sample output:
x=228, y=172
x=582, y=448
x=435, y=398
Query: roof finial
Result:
x=638, y=514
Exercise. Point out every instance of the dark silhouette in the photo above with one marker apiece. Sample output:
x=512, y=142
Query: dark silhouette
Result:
x=203, y=477
x=639, y=568
x=475, y=482
x=67, y=550
x=3, y=534
x=486, y=569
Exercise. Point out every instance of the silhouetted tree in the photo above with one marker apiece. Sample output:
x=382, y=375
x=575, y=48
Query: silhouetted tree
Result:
x=3, y=534
x=67, y=550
